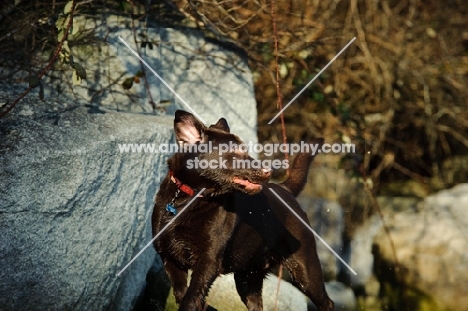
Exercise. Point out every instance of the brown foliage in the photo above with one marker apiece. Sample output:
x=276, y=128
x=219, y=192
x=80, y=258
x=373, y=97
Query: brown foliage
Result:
x=399, y=92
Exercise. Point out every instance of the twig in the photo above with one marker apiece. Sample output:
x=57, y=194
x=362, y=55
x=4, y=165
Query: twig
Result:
x=49, y=65
x=279, y=106
x=137, y=48
x=376, y=204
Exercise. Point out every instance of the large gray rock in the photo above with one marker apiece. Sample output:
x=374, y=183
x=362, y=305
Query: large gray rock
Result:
x=430, y=243
x=73, y=209
x=211, y=78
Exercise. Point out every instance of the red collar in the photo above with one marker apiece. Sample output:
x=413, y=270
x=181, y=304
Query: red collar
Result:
x=181, y=186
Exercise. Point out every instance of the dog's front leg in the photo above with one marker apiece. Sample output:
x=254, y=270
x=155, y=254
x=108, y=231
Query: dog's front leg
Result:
x=203, y=276
x=178, y=279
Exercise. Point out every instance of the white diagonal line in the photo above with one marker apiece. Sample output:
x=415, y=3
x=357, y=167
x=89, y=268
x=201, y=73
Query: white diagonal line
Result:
x=161, y=231
x=161, y=79
x=313, y=231
x=313, y=79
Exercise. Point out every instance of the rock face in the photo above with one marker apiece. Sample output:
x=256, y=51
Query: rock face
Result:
x=212, y=79
x=430, y=243
x=73, y=209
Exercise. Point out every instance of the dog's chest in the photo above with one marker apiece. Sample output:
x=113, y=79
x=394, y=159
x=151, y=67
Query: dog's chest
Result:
x=201, y=231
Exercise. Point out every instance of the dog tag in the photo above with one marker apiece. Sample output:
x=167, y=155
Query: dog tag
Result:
x=171, y=209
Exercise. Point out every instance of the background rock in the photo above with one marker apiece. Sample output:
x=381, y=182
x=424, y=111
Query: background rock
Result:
x=326, y=218
x=223, y=296
x=359, y=253
x=430, y=243
x=342, y=296
x=213, y=79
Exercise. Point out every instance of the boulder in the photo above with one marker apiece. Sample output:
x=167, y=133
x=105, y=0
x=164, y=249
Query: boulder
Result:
x=223, y=296
x=212, y=78
x=73, y=209
x=430, y=244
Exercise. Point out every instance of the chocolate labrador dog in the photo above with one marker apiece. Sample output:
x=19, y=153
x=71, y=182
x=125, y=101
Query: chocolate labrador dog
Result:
x=236, y=224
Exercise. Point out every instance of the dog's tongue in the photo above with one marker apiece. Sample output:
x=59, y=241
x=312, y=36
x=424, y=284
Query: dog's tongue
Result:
x=247, y=184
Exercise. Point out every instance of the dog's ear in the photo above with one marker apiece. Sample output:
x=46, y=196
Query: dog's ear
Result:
x=221, y=125
x=187, y=128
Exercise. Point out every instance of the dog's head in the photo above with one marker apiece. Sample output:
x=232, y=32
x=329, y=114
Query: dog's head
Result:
x=213, y=158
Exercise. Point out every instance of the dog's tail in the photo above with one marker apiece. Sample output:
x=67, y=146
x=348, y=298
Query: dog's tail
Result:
x=300, y=168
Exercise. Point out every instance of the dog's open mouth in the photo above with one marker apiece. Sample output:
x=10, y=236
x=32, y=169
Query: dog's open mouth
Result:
x=247, y=185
